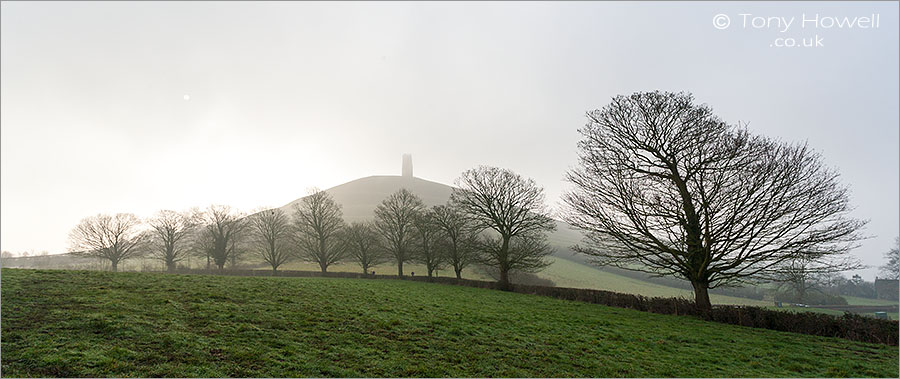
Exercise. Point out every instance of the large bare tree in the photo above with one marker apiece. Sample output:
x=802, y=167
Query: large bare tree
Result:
x=664, y=186
x=512, y=207
x=270, y=236
x=318, y=220
x=460, y=236
x=170, y=232
x=222, y=234
x=429, y=242
x=115, y=238
x=364, y=245
x=394, y=221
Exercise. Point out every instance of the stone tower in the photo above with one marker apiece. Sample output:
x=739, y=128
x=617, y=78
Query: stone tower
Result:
x=407, y=166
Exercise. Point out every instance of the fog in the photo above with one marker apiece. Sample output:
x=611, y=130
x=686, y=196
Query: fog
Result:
x=136, y=107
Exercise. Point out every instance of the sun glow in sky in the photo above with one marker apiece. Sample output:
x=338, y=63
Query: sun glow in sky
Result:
x=141, y=106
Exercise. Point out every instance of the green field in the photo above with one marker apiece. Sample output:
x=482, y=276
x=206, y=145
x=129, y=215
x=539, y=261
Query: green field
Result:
x=384, y=269
x=566, y=273
x=96, y=324
x=852, y=300
x=563, y=272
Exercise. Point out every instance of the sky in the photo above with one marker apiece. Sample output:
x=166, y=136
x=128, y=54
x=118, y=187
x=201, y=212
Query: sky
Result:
x=136, y=107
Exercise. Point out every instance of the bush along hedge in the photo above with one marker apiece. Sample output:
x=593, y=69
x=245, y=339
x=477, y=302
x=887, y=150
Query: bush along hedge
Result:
x=850, y=326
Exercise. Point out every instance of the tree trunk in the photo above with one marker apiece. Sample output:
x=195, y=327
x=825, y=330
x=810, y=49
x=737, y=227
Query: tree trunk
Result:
x=400, y=268
x=503, y=266
x=274, y=270
x=170, y=266
x=458, y=273
x=504, y=279
x=323, y=266
x=701, y=298
x=115, y=266
x=801, y=291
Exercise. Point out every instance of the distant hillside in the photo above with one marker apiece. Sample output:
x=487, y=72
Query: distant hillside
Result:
x=360, y=197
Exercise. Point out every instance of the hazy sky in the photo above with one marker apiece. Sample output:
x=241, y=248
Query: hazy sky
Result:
x=286, y=96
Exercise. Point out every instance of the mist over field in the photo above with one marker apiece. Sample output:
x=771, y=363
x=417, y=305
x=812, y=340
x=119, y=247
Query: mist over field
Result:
x=176, y=100
x=443, y=189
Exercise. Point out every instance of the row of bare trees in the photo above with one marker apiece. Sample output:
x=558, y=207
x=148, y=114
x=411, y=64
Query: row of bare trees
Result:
x=219, y=233
x=168, y=236
x=663, y=186
x=494, y=217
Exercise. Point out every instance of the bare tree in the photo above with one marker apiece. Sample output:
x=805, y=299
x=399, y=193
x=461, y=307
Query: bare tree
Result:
x=318, y=221
x=115, y=238
x=804, y=274
x=363, y=244
x=516, y=276
x=512, y=207
x=270, y=236
x=664, y=186
x=222, y=234
x=525, y=252
x=393, y=220
x=429, y=242
x=169, y=234
x=891, y=268
x=460, y=236
x=4, y=257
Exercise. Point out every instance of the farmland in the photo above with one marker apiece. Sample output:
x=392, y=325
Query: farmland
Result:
x=80, y=323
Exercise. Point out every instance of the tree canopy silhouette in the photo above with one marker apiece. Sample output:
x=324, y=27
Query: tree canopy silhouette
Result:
x=512, y=209
x=665, y=186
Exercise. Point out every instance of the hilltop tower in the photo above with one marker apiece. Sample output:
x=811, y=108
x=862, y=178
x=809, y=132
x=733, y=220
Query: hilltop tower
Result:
x=407, y=166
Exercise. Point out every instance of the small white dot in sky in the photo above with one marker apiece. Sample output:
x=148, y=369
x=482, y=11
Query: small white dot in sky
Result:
x=187, y=97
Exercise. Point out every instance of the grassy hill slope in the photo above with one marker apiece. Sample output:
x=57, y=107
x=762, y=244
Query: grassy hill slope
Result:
x=359, y=198
x=567, y=273
x=95, y=324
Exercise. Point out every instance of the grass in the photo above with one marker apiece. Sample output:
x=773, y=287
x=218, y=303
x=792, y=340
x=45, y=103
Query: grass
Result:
x=384, y=269
x=99, y=324
x=852, y=300
x=563, y=272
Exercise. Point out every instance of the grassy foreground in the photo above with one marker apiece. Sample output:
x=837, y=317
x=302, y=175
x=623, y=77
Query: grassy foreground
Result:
x=96, y=324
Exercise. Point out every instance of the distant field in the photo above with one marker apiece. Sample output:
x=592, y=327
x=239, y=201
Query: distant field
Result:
x=851, y=300
x=563, y=272
x=891, y=315
x=384, y=269
x=100, y=324
x=566, y=273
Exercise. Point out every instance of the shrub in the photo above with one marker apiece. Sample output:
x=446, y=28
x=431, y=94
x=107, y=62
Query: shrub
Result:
x=516, y=277
x=812, y=298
